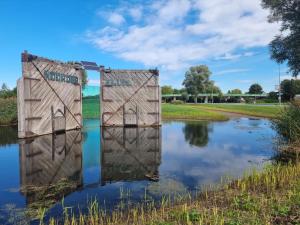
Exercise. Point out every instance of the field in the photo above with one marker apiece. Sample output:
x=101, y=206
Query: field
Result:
x=171, y=111
x=268, y=111
x=91, y=108
x=213, y=112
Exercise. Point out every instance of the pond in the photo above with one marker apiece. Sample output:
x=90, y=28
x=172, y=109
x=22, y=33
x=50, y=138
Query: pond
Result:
x=111, y=164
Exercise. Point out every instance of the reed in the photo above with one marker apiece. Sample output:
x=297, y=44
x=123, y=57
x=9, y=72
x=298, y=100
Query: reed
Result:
x=266, y=197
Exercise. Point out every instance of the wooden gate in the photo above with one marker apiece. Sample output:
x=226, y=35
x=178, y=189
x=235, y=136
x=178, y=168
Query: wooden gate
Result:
x=49, y=96
x=58, y=120
x=130, y=98
x=130, y=115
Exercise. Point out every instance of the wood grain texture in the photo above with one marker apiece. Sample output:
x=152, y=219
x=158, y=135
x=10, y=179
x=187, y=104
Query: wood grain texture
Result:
x=48, y=93
x=127, y=97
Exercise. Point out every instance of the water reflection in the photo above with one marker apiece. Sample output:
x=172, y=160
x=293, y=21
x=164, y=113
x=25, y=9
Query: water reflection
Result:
x=50, y=166
x=130, y=154
x=196, y=133
x=100, y=162
x=8, y=135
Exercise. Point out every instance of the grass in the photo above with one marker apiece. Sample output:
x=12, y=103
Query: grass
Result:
x=91, y=108
x=287, y=124
x=267, y=111
x=268, y=197
x=212, y=112
x=190, y=112
x=8, y=111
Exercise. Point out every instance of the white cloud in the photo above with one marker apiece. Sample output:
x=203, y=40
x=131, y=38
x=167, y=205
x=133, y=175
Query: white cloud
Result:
x=175, y=34
x=231, y=71
x=116, y=18
x=136, y=13
x=95, y=82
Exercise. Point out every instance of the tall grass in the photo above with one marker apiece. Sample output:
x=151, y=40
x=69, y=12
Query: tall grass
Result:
x=8, y=111
x=287, y=123
x=267, y=197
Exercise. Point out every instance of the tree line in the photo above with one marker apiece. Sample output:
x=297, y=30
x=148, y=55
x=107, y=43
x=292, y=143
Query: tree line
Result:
x=197, y=81
x=5, y=92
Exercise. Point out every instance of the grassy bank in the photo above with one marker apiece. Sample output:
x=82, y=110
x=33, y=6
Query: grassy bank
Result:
x=213, y=112
x=268, y=197
x=187, y=111
x=8, y=111
x=91, y=108
x=267, y=111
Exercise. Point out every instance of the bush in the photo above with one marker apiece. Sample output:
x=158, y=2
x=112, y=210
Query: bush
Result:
x=8, y=111
x=177, y=102
x=288, y=122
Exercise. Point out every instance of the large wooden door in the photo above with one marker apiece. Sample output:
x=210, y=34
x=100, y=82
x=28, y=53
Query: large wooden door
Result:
x=130, y=114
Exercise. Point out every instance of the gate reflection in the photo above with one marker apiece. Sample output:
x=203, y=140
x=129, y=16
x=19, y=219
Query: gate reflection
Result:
x=50, y=166
x=130, y=154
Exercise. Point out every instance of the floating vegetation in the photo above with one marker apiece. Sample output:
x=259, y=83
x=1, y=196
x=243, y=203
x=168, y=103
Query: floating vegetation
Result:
x=41, y=198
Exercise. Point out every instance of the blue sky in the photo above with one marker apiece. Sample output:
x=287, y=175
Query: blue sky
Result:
x=230, y=36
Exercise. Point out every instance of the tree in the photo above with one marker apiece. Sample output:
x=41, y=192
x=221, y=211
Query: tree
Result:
x=255, y=89
x=84, y=79
x=185, y=96
x=197, y=80
x=166, y=90
x=235, y=91
x=286, y=46
x=4, y=87
x=289, y=89
x=273, y=95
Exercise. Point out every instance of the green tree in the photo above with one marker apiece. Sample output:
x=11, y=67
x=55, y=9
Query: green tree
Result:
x=235, y=91
x=84, y=79
x=273, y=95
x=166, y=90
x=289, y=89
x=4, y=87
x=185, y=96
x=255, y=89
x=286, y=46
x=197, y=80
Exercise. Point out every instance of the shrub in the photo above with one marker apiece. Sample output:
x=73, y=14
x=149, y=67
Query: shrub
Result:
x=8, y=111
x=177, y=102
x=287, y=123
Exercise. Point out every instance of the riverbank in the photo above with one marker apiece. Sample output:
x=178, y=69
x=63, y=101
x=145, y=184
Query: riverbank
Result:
x=268, y=197
x=257, y=110
x=209, y=112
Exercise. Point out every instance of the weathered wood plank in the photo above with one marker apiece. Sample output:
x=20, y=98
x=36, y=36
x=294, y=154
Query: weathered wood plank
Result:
x=47, y=83
x=129, y=95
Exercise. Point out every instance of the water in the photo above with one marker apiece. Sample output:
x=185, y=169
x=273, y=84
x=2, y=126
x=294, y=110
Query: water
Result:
x=112, y=163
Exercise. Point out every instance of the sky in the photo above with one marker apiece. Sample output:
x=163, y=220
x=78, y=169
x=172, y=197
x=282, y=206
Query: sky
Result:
x=231, y=37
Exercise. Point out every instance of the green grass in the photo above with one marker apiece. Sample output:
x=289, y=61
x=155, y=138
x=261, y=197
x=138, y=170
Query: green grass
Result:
x=91, y=108
x=8, y=111
x=190, y=112
x=267, y=111
x=212, y=112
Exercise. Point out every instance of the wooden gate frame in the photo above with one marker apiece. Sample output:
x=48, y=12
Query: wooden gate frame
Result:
x=154, y=72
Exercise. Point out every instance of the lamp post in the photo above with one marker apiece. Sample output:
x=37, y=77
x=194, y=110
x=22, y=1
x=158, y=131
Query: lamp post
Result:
x=279, y=86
